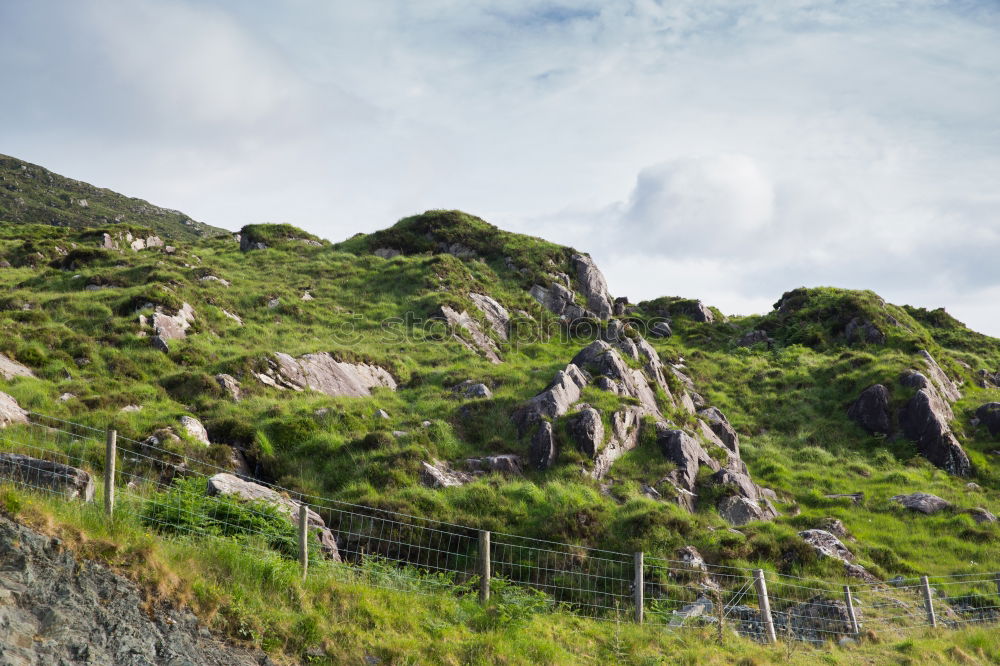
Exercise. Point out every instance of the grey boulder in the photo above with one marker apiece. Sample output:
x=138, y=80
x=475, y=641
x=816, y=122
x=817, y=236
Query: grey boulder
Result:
x=71, y=482
x=922, y=502
x=871, y=410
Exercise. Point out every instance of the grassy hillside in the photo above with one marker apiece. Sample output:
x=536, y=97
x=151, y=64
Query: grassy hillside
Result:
x=73, y=313
x=30, y=194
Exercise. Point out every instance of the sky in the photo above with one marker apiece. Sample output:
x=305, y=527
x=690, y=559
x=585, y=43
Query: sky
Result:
x=722, y=150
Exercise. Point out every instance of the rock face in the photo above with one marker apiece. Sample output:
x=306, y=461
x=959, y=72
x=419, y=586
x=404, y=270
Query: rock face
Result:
x=69, y=481
x=505, y=464
x=9, y=368
x=554, y=401
x=587, y=429
x=480, y=342
x=228, y=484
x=924, y=419
x=495, y=314
x=543, y=451
x=719, y=424
x=58, y=610
x=922, y=502
x=323, y=373
x=560, y=301
x=10, y=411
x=989, y=416
x=695, y=310
x=593, y=286
x=661, y=329
x=988, y=379
x=752, y=338
x=871, y=410
x=600, y=358
x=625, y=425
x=948, y=389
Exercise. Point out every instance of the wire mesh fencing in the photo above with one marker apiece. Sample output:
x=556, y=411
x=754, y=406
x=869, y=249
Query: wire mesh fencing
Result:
x=187, y=498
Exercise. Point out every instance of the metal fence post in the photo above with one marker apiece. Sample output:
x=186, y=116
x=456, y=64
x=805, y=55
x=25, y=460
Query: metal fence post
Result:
x=484, y=566
x=849, y=600
x=110, y=455
x=929, y=602
x=304, y=539
x=765, y=606
x=640, y=587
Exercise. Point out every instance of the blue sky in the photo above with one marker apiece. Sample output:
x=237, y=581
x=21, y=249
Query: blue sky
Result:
x=722, y=150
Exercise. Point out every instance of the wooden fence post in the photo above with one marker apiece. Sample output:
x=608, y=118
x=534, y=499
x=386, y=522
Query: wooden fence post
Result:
x=110, y=456
x=484, y=566
x=998, y=584
x=640, y=587
x=765, y=607
x=929, y=602
x=304, y=539
x=849, y=600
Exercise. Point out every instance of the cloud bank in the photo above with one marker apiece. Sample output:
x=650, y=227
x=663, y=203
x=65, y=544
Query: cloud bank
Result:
x=723, y=150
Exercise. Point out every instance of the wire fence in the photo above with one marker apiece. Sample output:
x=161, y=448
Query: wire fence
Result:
x=186, y=497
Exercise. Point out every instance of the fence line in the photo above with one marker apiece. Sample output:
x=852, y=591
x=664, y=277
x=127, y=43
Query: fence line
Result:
x=420, y=554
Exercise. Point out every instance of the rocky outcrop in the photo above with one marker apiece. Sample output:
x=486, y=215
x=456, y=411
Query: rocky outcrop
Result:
x=719, y=424
x=386, y=252
x=601, y=359
x=477, y=342
x=506, y=463
x=10, y=411
x=230, y=385
x=922, y=502
x=827, y=545
x=542, y=453
x=323, y=373
x=71, y=482
x=924, y=419
x=738, y=511
x=587, y=430
x=989, y=416
x=756, y=337
x=171, y=327
x=593, y=287
x=863, y=330
x=625, y=426
x=9, y=369
x=471, y=389
x=228, y=484
x=871, y=410
x=661, y=329
x=987, y=379
x=554, y=401
x=687, y=453
x=56, y=609
x=496, y=314
x=560, y=301
x=195, y=429
x=981, y=515
x=437, y=474
x=695, y=310
x=946, y=387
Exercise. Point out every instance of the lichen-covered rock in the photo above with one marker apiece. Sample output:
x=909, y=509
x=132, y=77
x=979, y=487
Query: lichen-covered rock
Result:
x=560, y=301
x=949, y=390
x=661, y=329
x=228, y=484
x=437, y=474
x=195, y=430
x=600, y=358
x=9, y=369
x=871, y=410
x=922, y=502
x=506, y=463
x=827, y=545
x=981, y=515
x=471, y=389
x=625, y=426
x=323, y=373
x=684, y=451
x=738, y=511
x=10, y=411
x=72, y=482
x=173, y=327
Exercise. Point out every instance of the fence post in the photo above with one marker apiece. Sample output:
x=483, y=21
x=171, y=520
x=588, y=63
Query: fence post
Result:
x=765, y=606
x=929, y=602
x=110, y=455
x=998, y=583
x=304, y=539
x=484, y=566
x=849, y=600
x=640, y=587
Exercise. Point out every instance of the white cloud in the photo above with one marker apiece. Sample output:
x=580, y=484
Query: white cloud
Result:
x=725, y=150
